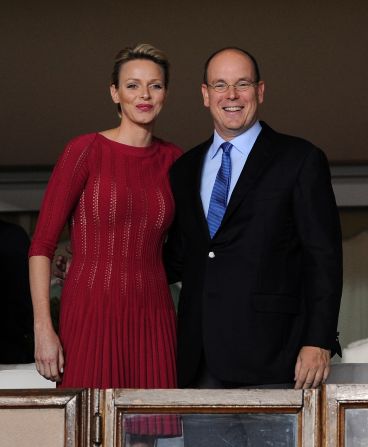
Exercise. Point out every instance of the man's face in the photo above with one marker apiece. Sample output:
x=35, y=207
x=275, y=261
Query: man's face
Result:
x=233, y=111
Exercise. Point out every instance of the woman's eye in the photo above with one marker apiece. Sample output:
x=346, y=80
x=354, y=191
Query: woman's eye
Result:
x=156, y=86
x=132, y=86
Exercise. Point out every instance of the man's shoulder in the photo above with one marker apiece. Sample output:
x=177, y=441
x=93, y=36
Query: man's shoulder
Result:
x=185, y=168
x=288, y=145
x=284, y=139
x=193, y=155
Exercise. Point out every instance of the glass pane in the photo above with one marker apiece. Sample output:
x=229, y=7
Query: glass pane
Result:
x=210, y=430
x=356, y=427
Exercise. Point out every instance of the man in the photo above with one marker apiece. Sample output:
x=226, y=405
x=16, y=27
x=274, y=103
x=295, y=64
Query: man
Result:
x=256, y=243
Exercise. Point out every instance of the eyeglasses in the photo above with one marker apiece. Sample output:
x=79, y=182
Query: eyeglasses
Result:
x=221, y=87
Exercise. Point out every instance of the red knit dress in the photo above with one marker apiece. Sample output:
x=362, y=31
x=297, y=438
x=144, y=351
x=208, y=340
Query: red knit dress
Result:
x=117, y=319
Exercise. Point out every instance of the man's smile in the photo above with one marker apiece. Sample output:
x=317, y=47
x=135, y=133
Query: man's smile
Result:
x=233, y=108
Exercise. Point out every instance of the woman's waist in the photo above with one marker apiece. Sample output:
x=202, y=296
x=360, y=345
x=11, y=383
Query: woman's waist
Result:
x=117, y=267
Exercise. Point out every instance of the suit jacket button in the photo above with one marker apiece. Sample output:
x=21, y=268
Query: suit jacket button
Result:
x=211, y=254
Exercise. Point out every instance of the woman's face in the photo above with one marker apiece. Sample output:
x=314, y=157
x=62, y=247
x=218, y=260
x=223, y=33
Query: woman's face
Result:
x=141, y=92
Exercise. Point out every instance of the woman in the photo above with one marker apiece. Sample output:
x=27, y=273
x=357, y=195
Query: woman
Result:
x=117, y=319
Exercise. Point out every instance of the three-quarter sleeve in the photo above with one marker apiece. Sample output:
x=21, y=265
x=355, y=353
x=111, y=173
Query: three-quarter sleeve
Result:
x=62, y=194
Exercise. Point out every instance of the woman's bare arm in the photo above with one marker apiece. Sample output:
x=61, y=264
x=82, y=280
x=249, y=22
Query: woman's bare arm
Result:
x=48, y=351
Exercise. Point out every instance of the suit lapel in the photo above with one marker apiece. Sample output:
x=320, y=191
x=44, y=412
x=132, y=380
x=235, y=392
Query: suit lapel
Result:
x=195, y=185
x=260, y=156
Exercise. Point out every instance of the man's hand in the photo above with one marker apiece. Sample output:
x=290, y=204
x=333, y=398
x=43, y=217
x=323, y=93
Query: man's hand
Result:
x=312, y=367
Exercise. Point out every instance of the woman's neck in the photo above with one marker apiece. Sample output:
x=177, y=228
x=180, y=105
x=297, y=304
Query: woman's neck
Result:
x=132, y=134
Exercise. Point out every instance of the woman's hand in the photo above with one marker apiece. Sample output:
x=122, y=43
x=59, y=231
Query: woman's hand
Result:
x=49, y=355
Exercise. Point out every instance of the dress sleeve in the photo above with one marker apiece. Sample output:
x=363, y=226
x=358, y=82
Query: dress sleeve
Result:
x=63, y=191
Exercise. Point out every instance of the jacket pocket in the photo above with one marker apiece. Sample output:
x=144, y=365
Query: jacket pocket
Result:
x=285, y=304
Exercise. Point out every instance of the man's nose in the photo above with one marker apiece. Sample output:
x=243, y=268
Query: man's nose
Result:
x=232, y=92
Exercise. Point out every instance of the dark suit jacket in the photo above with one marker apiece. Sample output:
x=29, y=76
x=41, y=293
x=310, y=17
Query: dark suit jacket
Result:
x=16, y=315
x=274, y=283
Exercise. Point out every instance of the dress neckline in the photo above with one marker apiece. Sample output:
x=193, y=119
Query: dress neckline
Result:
x=138, y=151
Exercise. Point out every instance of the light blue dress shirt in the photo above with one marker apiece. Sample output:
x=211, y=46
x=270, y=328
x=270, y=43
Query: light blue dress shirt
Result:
x=239, y=153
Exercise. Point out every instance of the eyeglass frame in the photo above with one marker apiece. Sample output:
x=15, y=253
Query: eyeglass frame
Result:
x=236, y=87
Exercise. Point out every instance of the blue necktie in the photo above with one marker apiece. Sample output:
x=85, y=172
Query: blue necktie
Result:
x=220, y=191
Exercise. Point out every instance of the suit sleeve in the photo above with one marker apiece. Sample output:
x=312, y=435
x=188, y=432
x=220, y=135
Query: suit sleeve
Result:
x=319, y=230
x=173, y=251
x=173, y=256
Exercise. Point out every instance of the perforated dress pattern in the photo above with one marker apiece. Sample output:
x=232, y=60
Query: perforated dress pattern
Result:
x=117, y=321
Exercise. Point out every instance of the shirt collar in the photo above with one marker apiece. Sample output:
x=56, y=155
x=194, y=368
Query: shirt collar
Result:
x=243, y=142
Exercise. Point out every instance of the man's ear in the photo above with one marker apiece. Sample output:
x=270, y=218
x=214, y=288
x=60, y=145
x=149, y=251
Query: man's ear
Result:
x=206, y=99
x=260, y=91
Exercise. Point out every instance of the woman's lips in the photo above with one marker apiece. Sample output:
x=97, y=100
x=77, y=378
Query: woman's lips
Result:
x=144, y=107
